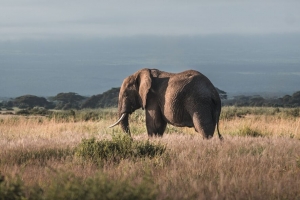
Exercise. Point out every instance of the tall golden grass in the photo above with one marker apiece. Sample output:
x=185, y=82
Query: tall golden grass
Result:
x=259, y=158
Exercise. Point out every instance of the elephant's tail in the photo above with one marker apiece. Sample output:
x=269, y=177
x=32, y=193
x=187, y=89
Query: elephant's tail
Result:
x=220, y=136
x=217, y=116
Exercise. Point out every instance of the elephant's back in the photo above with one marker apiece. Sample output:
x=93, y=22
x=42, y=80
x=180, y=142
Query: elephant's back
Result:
x=184, y=92
x=189, y=80
x=180, y=92
x=190, y=87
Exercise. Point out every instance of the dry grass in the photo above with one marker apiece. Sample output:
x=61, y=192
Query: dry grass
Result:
x=265, y=165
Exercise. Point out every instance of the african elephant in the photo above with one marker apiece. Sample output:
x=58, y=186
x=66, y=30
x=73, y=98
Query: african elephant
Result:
x=186, y=99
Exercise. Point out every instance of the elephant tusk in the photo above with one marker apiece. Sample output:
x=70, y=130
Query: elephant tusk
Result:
x=122, y=117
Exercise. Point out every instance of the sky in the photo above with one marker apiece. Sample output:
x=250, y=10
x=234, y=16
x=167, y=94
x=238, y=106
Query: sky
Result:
x=47, y=47
x=43, y=19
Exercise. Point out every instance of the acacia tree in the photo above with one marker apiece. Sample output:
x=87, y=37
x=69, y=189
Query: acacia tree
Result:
x=30, y=101
x=68, y=100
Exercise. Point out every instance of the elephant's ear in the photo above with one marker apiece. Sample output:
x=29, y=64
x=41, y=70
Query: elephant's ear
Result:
x=144, y=84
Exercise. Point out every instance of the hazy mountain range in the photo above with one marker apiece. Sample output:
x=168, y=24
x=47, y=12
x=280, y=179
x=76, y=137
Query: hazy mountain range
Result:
x=234, y=63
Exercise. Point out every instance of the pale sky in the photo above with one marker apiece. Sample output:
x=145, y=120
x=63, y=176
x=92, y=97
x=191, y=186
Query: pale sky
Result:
x=44, y=19
x=47, y=47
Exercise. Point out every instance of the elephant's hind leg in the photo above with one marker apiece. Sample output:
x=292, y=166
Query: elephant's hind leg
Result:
x=204, y=124
x=155, y=123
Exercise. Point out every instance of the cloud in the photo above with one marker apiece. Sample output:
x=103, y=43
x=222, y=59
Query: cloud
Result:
x=60, y=19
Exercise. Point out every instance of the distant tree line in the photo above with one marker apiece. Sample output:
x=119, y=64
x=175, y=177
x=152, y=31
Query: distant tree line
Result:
x=71, y=100
x=258, y=101
x=65, y=101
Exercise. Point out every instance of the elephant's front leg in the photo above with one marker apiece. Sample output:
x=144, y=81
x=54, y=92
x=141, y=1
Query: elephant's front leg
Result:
x=155, y=123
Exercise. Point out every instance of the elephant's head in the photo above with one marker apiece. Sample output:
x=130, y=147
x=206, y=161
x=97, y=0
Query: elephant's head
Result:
x=132, y=96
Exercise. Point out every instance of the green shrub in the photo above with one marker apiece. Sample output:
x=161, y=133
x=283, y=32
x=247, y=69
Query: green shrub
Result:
x=247, y=131
x=230, y=112
x=292, y=112
x=12, y=189
x=23, y=112
x=96, y=114
x=83, y=115
x=120, y=147
x=68, y=186
x=34, y=111
x=62, y=116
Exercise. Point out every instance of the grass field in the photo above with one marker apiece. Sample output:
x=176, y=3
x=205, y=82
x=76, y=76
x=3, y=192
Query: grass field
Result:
x=73, y=155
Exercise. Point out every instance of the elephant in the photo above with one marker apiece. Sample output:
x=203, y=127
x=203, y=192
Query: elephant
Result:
x=185, y=99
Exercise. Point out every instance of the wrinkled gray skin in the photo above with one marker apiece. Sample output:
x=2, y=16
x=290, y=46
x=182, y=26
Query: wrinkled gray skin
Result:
x=186, y=99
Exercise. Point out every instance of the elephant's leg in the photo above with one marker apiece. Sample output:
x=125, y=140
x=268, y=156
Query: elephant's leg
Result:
x=155, y=123
x=203, y=123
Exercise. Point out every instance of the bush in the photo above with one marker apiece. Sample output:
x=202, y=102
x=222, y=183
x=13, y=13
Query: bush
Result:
x=63, y=116
x=34, y=111
x=231, y=112
x=246, y=131
x=12, y=189
x=83, y=115
x=23, y=112
x=68, y=186
x=292, y=112
x=120, y=147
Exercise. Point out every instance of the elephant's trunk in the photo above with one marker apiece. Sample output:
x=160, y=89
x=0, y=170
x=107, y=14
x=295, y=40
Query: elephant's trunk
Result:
x=124, y=123
x=123, y=120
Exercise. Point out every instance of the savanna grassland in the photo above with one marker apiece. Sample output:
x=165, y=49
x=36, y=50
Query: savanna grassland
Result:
x=73, y=155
